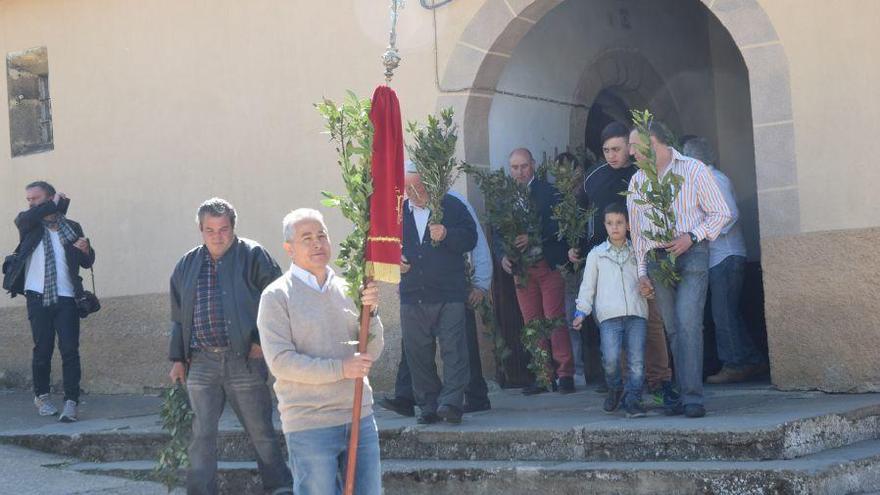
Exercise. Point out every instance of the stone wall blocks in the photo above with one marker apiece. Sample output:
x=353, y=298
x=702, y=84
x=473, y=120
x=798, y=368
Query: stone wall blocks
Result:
x=779, y=212
x=770, y=84
x=745, y=20
x=774, y=149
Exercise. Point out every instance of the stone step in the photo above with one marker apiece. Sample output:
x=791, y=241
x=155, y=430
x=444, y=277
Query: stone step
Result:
x=854, y=469
x=492, y=436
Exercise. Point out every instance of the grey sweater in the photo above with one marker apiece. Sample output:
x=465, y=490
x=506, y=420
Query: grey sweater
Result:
x=305, y=335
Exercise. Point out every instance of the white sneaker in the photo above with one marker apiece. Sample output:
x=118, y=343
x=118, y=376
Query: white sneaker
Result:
x=45, y=406
x=69, y=413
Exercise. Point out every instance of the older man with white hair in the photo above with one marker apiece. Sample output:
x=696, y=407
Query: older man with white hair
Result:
x=307, y=323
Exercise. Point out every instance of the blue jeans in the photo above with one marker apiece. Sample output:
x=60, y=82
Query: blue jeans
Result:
x=318, y=459
x=214, y=378
x=615, y=333
x=735, y=346
x=682, y=307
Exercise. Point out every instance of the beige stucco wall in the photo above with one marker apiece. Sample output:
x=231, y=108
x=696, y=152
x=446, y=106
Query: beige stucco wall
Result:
x=158, y=105
x=832, y=48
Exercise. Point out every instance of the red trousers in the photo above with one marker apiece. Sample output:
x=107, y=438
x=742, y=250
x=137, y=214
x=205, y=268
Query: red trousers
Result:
x=544, y=297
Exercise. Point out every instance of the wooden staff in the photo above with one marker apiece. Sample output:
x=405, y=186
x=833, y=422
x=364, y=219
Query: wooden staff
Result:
x=353, y=440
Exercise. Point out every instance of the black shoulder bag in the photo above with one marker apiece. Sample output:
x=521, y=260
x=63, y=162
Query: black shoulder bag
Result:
x=87, y=302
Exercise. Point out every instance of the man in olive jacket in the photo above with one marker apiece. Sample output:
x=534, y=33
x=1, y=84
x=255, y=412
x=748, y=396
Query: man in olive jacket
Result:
x=215, y=294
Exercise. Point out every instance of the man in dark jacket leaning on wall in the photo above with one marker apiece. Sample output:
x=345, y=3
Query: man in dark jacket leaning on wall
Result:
x=215, y=293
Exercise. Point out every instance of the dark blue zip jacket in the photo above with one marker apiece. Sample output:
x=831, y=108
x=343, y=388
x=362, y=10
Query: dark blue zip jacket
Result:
x=437, y=274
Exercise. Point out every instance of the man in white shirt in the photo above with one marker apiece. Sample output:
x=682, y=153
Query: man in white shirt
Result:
x=51, y=250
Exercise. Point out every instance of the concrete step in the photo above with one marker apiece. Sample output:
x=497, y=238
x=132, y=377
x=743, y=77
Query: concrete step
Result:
x=854, y=469
x=549, y=435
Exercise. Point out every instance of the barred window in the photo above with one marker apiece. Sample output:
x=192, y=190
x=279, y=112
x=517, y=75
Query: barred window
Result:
x=30, y=107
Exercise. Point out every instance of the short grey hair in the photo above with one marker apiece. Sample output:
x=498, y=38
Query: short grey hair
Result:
x=216, y=207
x=298, y=215
x=699, y=148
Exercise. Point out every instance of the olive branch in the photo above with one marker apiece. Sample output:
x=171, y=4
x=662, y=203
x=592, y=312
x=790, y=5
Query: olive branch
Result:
x=572, y=219
x=533, y=333
x=176, y=416
x=434, y=157
x=350, y=128
x=510, y=211
x=657, y=194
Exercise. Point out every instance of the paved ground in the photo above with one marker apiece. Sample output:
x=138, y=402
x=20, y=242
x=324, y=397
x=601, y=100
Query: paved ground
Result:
x=730, y=408
x=25, y=472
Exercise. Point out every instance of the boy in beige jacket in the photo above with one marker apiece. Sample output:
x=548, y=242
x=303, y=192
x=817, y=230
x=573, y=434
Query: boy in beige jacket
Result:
x=610, y=289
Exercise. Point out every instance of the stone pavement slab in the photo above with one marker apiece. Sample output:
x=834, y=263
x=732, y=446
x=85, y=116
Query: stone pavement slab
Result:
x=27, y=472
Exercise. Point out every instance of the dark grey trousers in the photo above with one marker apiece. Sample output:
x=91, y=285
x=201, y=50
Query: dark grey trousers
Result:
x=213, y=378
x=423, y=326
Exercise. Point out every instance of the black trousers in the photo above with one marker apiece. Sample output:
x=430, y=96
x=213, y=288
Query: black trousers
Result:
x=61, y=318
x=476, y=393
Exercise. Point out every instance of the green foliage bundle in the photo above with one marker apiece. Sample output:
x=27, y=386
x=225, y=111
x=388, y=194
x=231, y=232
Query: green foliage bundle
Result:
x=350, y=128
x=176, y=416
x=658, y=194
x=434, y=157
x=533, y=333
x=509, y=210
x=572, y=219
x=486, y=312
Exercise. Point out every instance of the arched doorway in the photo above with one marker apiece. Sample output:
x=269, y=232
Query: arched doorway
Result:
x=542, y=67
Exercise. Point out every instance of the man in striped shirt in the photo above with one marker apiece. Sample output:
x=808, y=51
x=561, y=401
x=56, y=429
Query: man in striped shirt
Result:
x=700, y=214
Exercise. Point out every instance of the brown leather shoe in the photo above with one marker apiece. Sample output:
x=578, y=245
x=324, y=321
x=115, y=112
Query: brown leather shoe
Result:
x=728, y=375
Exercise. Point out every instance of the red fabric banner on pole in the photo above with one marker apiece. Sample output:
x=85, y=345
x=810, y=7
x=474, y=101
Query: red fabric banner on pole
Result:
x=382, y=253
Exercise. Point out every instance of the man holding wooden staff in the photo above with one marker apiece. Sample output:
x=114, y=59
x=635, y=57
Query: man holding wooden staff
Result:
x=307, y=324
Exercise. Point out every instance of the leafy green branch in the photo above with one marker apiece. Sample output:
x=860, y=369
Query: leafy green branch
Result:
x=176, y=416
x=433, y=154
x=658, y=195
x=509, y=210
x=533, y=334
x=572, y=219
x=350, y=128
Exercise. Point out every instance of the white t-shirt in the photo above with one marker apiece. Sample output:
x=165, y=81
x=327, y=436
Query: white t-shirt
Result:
x=36, y=268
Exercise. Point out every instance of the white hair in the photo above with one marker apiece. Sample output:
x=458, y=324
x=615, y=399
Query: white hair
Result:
x=298, y=215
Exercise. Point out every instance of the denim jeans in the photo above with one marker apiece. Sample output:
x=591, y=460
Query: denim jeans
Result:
x=682, y=308
x=62, y=319
x=617, y=333
x=213, y=378
x=735, y=346
x=318, y=459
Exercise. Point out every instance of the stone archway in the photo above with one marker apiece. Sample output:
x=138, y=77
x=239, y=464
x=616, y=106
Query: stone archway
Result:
x=479, y=58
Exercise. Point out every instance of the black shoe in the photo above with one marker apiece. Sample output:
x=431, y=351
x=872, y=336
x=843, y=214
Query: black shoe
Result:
x=450, y=414
x=483, y=406
x=566, y=385
x=673, y=409
x=427, y=418
x=399, y=405
x=635, y=409
x=612, y=402
x=694, y=410
x=533, y=389
x=602, y=389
